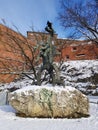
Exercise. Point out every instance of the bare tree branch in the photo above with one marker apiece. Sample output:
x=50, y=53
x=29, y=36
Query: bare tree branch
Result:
x=82, y=17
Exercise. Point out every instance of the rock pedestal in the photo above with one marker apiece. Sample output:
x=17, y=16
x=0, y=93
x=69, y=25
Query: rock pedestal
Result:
x=47, y=102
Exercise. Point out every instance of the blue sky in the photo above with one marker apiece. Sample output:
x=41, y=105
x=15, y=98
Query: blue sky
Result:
x=27, y=13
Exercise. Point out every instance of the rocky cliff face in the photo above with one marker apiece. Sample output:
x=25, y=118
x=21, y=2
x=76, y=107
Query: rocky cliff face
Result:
x=49, y=102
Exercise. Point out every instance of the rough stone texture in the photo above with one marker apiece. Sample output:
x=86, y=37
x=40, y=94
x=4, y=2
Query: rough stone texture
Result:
x=50, y=102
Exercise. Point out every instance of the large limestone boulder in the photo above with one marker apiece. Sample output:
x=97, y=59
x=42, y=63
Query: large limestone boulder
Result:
x=38, y=101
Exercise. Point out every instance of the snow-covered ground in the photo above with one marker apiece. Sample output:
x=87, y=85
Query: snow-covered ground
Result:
x=74, y=72
x=9, y=121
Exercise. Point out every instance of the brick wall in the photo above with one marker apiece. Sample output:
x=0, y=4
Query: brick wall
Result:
x=11, y=57
x=84, y=50
x=69, y=49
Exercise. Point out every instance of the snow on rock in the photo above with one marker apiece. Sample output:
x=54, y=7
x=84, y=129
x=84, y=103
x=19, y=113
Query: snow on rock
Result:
x=48, y=101
x=9, y=120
